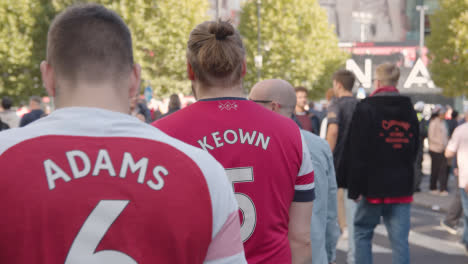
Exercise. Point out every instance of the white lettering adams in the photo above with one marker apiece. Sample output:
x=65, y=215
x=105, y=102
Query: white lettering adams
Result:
x=103, y=163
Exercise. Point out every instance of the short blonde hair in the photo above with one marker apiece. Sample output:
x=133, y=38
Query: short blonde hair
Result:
x=388, y=74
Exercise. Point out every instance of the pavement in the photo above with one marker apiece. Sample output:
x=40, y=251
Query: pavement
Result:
x=429, y=242
x=430, y=201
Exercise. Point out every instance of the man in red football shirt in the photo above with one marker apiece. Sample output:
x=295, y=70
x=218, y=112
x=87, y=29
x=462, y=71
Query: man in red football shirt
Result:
x=264, y=153
x=91, y=184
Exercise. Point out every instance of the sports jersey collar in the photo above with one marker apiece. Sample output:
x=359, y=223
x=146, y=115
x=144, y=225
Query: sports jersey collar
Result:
x=84, y=112
x=223, y=98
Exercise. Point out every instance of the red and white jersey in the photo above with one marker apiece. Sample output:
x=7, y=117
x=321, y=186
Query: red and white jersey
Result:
x=265, y=158
x=87, y=185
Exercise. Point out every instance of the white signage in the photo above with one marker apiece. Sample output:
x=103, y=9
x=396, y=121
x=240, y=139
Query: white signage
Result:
x=419, y=74
x=415, y=78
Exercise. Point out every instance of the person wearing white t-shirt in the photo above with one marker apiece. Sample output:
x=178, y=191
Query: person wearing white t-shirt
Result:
x=458, y=145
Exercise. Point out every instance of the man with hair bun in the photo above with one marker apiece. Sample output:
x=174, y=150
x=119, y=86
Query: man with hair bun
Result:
x=94, y=184
x=264, y=153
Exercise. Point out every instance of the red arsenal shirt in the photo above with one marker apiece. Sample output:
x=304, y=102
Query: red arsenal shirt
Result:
x=87, y=185
x=266, y=160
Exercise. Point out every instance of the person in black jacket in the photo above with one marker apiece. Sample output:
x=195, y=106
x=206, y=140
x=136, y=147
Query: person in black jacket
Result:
x=35, y=105
x=383, y=144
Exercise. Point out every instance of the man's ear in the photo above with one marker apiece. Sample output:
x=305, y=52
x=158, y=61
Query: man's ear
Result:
x=275, y=106
x=48, y=78
x=244, y=68
x=190, y=73
x=135, y=80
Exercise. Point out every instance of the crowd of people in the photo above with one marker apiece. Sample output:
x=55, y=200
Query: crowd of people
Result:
x=231, y=178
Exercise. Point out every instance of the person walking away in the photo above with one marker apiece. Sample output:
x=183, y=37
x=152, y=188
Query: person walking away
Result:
x=7, y=115
x=423, y=125
x=324, y=228
x=330, y=95
x=383, y=145
x=438, y=140
x=458, y=146
x=94, y=184
x=455, y=211
x=174, y=105
x=36, y=112
x=264, y=153
x=339, y=120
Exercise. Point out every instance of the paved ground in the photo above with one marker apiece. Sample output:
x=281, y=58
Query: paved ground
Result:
x=429, y=243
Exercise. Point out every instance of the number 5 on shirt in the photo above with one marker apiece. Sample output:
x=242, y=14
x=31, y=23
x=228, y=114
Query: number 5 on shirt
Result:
x=246, y=205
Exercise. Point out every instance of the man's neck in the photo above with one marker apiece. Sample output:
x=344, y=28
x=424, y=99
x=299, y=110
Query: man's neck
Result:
x=300, y=109
x=344, y=93
x=216, y=92
x=96, y=97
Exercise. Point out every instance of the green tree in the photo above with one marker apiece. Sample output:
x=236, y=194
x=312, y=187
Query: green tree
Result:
x=160, y=31
x=298, y=44
x=23, y=34
x=448, y=47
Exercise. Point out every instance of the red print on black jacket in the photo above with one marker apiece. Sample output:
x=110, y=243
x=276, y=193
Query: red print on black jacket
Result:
x=396, y=133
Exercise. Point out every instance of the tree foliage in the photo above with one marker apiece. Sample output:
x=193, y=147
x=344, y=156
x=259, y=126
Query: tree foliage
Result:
x=23, y=34
x=298, y=44
x=448, y=47
x=160, y=30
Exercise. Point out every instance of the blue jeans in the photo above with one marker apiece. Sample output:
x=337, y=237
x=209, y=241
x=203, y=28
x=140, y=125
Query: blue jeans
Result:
x=350, y=207
x=396, y=218
x=464, y=200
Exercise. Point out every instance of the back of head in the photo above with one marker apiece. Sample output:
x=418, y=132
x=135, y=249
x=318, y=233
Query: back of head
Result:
x=6, y=103
x=89, y=42
x=278, y=92
x=174, y=102
x=419, y=106
x=216, y=53
x=345, y=78
x=36, y=99
x=388, y=74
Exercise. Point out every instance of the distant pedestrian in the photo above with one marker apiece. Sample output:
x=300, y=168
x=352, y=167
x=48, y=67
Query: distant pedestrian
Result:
x=35, y=106
x=455, y=210
x=339, y=117
x=423, y=126
x=174, y=105
x=438, y=136
x=382, y=149
x=329, y=95
x=308, y=120
x=7, y=115
x=453, y=122
x=458, y=145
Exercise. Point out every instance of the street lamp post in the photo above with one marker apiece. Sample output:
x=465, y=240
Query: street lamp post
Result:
x=259, y=58
x=422, y=9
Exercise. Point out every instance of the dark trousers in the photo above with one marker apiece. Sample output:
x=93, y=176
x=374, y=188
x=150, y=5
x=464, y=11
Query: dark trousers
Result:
x=439, y=171
x=418, y=174
x=455, y=210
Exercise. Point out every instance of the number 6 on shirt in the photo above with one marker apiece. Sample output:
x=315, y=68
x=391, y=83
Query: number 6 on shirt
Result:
x=93, y=230
x=246, y=205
